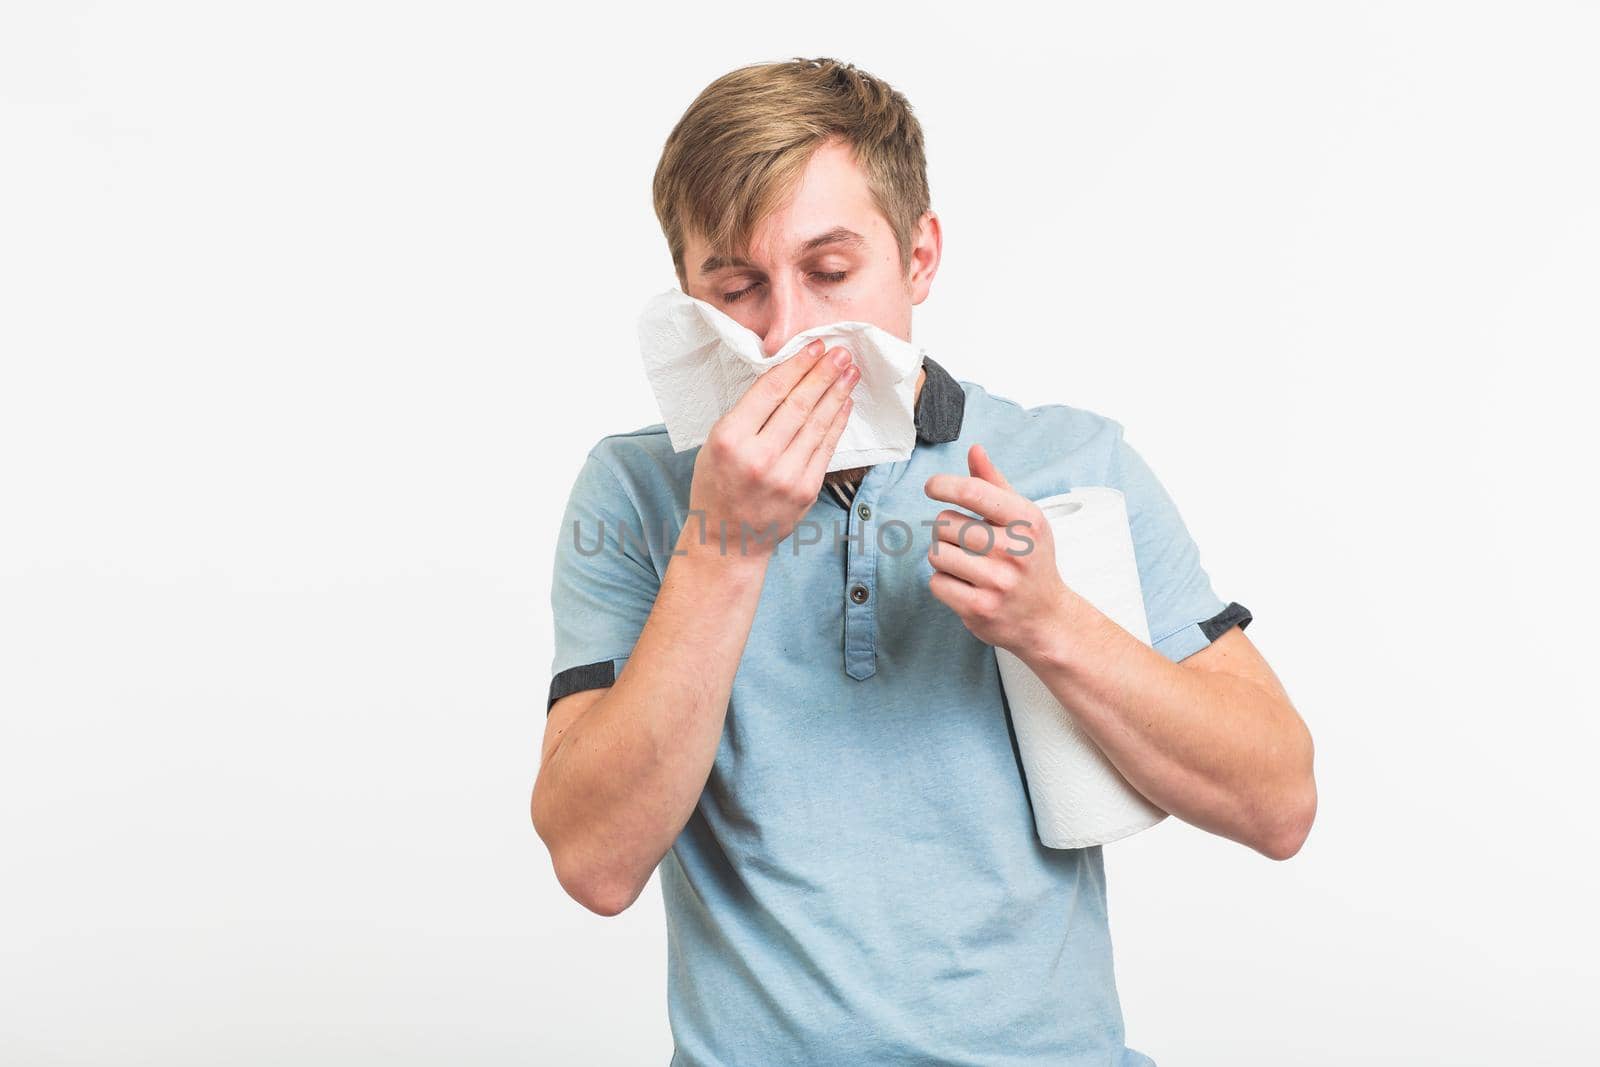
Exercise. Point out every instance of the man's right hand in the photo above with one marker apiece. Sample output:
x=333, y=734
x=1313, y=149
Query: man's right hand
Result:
x=622, y=773
x=763, y=462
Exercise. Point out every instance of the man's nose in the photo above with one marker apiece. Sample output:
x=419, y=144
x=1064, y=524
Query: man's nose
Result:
x=788, y=315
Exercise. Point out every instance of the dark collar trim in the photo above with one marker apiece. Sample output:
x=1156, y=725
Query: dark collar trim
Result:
x=940, y=405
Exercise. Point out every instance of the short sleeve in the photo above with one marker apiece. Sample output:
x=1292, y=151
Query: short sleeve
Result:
x=1183, y=612
x=603, y=585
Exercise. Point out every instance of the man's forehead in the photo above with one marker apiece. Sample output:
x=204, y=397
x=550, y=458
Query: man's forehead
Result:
x=833, y=237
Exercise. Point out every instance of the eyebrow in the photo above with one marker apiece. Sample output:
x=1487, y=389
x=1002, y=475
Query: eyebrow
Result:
x=839, y=235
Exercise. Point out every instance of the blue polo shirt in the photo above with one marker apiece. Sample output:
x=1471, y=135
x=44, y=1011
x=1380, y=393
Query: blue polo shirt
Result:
x=861, y=881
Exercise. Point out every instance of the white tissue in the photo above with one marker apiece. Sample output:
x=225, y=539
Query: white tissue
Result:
x=1079, y=797
x=700, y=362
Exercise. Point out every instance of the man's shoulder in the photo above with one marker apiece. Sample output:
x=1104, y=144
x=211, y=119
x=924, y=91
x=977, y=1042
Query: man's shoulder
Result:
x=643, y=461
x=648, y=439
x=1059, y=430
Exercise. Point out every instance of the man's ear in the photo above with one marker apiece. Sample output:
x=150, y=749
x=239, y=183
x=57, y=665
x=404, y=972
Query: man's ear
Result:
x=927, y=242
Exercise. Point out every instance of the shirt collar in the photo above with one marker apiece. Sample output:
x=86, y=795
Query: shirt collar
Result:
x=940, y=405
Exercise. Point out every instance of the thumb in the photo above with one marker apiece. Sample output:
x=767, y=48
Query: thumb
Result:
x=981, y=466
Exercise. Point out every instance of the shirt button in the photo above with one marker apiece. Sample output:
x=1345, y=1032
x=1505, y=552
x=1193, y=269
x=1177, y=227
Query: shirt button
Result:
x=859, y=594
x=864, y=511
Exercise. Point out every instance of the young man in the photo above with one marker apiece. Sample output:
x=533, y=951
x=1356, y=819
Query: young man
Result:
x=811, y=740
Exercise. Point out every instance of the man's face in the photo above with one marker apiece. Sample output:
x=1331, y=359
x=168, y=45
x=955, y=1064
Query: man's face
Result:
x=827, y=256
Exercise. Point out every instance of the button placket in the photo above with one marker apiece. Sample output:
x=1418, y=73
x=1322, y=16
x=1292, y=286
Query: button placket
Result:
x=860, y=609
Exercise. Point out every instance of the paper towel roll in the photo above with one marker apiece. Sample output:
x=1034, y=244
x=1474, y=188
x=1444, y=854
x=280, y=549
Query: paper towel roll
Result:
x=1079, y=797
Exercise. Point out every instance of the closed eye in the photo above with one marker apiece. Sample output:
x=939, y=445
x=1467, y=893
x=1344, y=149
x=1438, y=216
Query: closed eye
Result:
x=829, y=277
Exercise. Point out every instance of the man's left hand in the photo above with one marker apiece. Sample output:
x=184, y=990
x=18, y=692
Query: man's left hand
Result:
x=997, y=572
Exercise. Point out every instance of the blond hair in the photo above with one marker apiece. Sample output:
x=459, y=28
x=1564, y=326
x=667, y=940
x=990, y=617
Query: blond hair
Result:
x=739, y=151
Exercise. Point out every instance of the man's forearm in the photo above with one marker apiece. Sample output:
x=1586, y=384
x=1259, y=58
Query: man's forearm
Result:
x=1218, y=751
x=626, y=776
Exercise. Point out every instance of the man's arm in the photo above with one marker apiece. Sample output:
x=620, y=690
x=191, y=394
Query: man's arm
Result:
x=622, y=772
x=1212, y=738
x=624, y=766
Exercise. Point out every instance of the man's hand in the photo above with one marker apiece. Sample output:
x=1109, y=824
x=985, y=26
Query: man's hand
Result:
x=762, y=464
x=1213, y=740
x=1001, y=581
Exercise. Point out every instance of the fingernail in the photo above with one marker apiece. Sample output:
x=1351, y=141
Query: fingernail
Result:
x=815, y=347
x=841, y=358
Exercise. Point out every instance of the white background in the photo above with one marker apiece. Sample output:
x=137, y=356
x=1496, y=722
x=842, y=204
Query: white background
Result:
x=309, y=312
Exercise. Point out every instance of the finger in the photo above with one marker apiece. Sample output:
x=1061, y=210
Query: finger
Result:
x=981, y=466
x=975, y=569
x=797, y=456
x=823, y=453
x=959, y=531
x=963, y=531
x=960, y=597
x=995, y=504
x=751, y=411
x=797, y=407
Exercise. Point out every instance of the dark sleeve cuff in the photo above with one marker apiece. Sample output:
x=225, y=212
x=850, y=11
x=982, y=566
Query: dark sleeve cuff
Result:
x=1235, y=614
x=586, y=676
